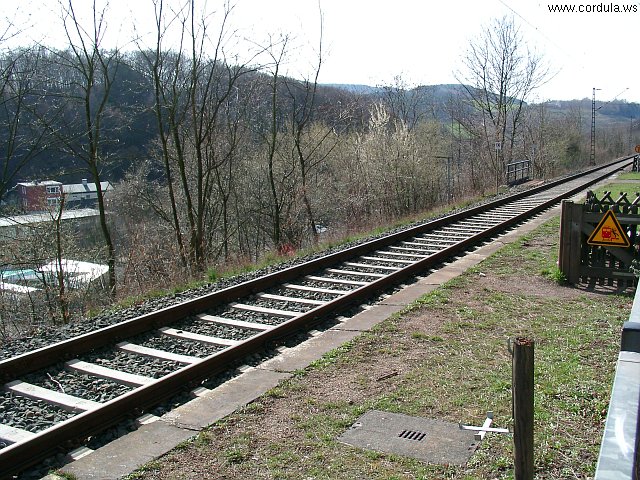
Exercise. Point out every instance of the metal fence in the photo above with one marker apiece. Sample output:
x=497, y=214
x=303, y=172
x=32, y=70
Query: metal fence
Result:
x=518, y=172
x=618, y=458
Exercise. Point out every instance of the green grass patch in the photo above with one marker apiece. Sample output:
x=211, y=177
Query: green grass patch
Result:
x=629, y=176
x=616, y=187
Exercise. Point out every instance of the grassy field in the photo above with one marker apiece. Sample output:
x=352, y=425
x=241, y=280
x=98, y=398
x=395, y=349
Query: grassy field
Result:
x=446, y=358
x=625, y=182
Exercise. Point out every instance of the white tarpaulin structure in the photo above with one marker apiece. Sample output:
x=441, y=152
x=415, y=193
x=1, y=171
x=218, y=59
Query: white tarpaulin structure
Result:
x=77, y=274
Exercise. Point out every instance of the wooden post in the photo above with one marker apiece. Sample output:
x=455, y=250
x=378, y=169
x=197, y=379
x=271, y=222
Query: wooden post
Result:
x=570, y=241
x=522, y=390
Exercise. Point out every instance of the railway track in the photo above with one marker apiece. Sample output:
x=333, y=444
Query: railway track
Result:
x=85, y=384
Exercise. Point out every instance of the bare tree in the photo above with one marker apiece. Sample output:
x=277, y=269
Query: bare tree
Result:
x=409, y=105
x=277, y=52
x=500, y=72
x=80, y=132
x=193, y=86
x=312, y=146
x=22, y=137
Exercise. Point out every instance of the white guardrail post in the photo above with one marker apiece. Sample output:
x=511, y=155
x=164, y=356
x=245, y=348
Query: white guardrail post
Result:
x=618, y=459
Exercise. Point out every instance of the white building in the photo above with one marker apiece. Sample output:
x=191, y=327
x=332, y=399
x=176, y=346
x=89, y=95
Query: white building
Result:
x=83, y=194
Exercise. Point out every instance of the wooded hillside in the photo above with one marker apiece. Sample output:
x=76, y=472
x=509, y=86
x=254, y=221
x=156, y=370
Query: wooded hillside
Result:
x=216, y=161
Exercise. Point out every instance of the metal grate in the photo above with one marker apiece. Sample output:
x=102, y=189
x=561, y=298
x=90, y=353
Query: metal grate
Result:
x=412, y=435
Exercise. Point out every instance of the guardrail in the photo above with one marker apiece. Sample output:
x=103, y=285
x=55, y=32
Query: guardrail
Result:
x=518, y=172
x=618, y=459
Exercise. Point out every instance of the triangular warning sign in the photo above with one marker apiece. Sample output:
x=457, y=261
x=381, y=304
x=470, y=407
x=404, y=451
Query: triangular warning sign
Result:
x=609, y=233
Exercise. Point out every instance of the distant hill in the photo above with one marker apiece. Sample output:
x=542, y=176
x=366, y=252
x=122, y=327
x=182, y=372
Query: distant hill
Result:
x=354, y=88
x=436, y=99
x=606, y=112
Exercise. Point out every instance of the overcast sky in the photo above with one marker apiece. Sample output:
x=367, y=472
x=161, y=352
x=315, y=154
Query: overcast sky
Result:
x=373, y=41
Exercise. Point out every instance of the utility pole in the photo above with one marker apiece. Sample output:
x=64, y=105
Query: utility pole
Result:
x=592, y=157
x=499, y=165
x=448, y=159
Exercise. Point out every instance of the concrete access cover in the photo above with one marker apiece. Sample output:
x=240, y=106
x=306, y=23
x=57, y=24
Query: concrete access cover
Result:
x=432, y=441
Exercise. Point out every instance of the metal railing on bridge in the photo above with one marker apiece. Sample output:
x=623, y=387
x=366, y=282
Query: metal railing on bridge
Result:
x=518, y=172
x=619, y=451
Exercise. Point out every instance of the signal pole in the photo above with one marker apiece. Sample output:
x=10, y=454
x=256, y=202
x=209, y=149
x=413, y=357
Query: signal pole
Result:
x=592, y=157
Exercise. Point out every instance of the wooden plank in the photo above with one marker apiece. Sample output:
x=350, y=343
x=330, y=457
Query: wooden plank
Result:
x=425, y=244
x=492, y=215
x=10, y=434
x=564, y=252
x=431, y=236
x=443, y=235
x=603, y=272
x=234, y=323
x=575, y=239
x=197, y=337
x=156, y=353
x=626, y=219
x=482, y=225
x=67, y=402
x=117, y=376
x=269, y=311
x=308, y=301
x=306, y=288
x=336, y=280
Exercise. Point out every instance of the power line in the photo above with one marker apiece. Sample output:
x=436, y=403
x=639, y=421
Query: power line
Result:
x=543, y=35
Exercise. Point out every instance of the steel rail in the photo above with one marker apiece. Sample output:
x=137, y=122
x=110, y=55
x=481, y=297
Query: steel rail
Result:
x=21, y=455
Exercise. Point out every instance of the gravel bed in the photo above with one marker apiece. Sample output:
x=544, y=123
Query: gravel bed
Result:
x=78, y=385
x=280, y=305
x=386, y=255
x=27, y=414
x=129, y=363
x=357, y=278
x=291, y=292
x=443, y=238
x=43, y=336
x=375, y=267
x=177, y=345
x=212, y=329
x=245, y=316
x=332, y=286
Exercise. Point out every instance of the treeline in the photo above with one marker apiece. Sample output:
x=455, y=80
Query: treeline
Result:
x=217, y=161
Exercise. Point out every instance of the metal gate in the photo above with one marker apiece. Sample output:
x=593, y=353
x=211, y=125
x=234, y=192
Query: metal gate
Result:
x=605, y=265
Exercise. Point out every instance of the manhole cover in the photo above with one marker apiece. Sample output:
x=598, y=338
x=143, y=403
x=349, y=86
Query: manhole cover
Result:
x=433, y=441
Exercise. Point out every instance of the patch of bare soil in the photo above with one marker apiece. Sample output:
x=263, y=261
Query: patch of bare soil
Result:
x=532, y=285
